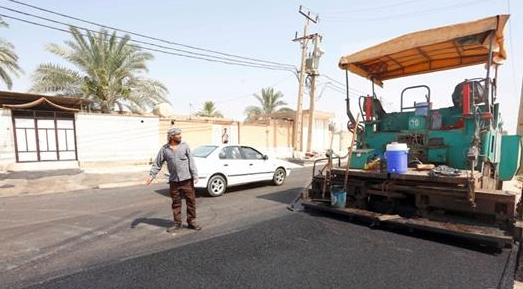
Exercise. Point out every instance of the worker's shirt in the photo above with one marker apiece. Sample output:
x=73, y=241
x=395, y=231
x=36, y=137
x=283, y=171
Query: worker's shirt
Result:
x=180, y=163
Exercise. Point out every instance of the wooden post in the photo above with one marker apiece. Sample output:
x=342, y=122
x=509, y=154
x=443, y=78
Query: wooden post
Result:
x=354, y=137
x=332, y=139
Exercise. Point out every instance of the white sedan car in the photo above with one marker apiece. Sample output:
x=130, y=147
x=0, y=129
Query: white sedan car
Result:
x=223, y=166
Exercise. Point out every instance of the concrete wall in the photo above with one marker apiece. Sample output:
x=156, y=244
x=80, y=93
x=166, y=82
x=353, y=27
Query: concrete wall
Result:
x=7, y=143
x=270, y=137
x=115, y=138
x=121, y=139
x=273, y=137
x=198, y=132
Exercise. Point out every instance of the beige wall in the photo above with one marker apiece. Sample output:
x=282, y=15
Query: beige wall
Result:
x=273, y=137
x=108, y=137
x=193, y=132
x=274, y=133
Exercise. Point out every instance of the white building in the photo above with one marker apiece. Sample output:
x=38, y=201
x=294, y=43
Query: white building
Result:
x=58, y=131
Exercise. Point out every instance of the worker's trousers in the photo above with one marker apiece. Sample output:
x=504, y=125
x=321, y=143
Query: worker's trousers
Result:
x=185, y=188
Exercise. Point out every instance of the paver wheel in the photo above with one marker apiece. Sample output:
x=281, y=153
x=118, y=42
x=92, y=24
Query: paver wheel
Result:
x=216, y=186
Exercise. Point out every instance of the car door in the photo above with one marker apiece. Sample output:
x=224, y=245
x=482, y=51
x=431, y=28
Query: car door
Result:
x=259, y=167
x=233, y=165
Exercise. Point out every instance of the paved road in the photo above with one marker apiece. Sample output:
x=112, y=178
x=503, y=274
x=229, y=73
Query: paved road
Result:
x=302, y=251
x=52, y=235
x=250, y=241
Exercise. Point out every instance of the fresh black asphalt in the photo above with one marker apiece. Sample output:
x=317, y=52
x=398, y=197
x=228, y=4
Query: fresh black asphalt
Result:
x=307, y=250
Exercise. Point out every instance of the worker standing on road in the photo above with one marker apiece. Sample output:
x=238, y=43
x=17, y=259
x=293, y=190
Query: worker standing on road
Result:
x=183, y=176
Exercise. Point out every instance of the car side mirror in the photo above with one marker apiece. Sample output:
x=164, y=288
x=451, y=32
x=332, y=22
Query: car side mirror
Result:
x=265, y=157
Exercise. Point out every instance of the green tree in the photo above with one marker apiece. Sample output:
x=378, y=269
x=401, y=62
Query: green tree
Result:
x=209, y=110
x=108, y=72
x=8, y=60
x=270, y=102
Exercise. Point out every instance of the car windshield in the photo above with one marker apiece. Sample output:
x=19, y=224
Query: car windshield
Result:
x=203, y=151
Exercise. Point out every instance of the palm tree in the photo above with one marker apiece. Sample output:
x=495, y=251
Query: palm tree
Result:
x=108, y=72
x=8, y=60
x=209, y=110
x=270, y=103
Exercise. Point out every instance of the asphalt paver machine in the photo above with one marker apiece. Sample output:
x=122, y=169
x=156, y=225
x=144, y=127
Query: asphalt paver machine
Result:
x=458, y=156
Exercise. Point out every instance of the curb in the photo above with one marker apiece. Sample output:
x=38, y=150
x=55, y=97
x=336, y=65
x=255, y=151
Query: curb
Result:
x=92, y=187
x=119, y=185
x=129, y=184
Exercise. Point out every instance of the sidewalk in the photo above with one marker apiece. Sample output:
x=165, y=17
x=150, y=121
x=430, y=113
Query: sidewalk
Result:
x=55, y=181
x=65, y=180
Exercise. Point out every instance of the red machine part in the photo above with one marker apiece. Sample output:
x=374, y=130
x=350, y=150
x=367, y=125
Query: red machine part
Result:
x=368, y=108
x=465, y=92
x=487, y=116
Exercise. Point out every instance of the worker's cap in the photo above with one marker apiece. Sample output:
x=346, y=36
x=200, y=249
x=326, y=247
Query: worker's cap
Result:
x=173, y=131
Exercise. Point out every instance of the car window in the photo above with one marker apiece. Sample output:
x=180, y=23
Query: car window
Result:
x=230, y=153
x=251, y=154
x=203, y=151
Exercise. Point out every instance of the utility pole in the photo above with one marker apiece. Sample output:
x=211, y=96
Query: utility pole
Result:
x=312, y=71
x=298, y=119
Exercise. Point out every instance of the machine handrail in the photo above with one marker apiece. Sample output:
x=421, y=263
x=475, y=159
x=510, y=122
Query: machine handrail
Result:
x=427, y=96
x=325, y=159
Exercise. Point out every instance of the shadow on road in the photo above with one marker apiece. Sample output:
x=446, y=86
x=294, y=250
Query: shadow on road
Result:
x=285, y=196
x=152, y=221
x=165, y=192
x=461, y=242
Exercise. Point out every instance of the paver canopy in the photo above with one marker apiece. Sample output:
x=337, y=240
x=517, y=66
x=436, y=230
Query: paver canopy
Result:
x=431, y=50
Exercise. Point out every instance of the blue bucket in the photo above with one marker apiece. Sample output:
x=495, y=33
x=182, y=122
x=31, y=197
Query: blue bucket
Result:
x=397, y=160
x=338, y=197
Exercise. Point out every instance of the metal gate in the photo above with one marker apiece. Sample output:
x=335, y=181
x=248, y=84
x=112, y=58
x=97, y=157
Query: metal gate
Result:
x=44, y=136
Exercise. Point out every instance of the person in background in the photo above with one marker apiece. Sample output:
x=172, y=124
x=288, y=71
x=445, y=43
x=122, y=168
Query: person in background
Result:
x=183, y=176
x=225, y=136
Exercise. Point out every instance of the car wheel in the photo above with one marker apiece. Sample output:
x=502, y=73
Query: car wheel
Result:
x=279, y=177
x=216, y=186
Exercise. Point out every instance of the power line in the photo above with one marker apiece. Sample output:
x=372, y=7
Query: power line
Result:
x=331, y=86
x=372, y=8
x=405, y=15
x=152, y=49
x=148, y=37
x=137, y=41
x=343, y=85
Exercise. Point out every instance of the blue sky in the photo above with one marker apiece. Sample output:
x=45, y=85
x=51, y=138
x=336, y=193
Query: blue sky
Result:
x=264, y=29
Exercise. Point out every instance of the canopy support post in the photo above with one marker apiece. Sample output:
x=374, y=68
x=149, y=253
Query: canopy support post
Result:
x=349, y=113
x=489, y=63
x=373, y=93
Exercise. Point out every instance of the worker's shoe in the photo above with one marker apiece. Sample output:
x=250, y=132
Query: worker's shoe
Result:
x=194, y=226
x=175, y=228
